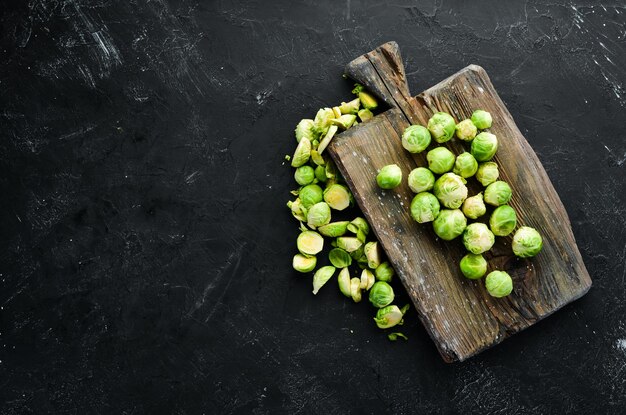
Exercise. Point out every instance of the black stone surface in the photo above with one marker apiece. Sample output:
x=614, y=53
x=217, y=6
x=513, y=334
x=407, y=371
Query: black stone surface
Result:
x=145, y=262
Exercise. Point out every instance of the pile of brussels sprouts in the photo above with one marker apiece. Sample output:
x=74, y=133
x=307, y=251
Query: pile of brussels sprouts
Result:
x=445, y=202
x=322, y=191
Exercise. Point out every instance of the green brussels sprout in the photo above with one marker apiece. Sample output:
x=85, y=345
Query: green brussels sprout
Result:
x=424, y=207
x=320, y=174
x=297, y=209
x=474, y=207
x=451, y=191
x=503, y=220
x=388, y=317
x=337, y=196
x=465, y=165
x=499, y=284
x=358, y=255
x=498, y=193
x=302, y=153
x=484, y=146
x=384, y=272
x=310, y=195
x=331, y=170
x=318, y=215
x=381, y=294
x=527, y=242
x=373, y=254
x=323, y=120
x=487, y=173
x=333, y=229
x=440, y=160
x=441, y=125
x=355, y=289
x=421, y=180
x=368, y=101
x=305, y=129
x=332, y=130
x=473, y=266
x=415, y=138
x=466, y=130
x=317, y=158
x=304, y=175
x=321, y=277
x=339, y=258
x=395, y=336
x=302, y=263
x=351, y=107
x=389, y=177
x=348, y=243
x=367, y=279
x=365, y=115
x=477, y=238
x=337, y=112
x=481, y=119
x=343, y=280
x=345, y=121
x=449, y=224
x=359, y=224
x=310, y=243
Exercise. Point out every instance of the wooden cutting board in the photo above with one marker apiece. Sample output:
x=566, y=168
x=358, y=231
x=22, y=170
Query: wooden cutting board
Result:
x=459, y=314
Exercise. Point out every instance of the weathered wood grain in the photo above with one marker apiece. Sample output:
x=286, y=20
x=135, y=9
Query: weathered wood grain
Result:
x=458, y=313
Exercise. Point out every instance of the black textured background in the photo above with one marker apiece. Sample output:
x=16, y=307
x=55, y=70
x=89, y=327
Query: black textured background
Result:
x=145, y=247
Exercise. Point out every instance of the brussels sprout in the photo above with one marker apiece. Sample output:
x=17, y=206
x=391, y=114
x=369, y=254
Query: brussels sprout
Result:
x=451, y=191
x=326, y=140
x=477, y=238
x=304, y=175
x=474, y=207
x=297, y=209
x=449, y=224
x=359, y=255
x=503, y=220
x=421, y=180
x=302, y=153
x=465, y=165
x=303, y=263
x=310, y=195
x=318, y=215
x=384, y=272
x=345, y=121
x=389, y=176
x=487, y=173
x=310, y=243
x=305, y=129
x=473, y=266
x=441, y=125
x=381, y=294
x=348, y=243
x=481, y=119
x=337, y=196
x=333, y=229
x=368, y=101
x=323, y=120
x=365, y=115
x=395, y=336
x=359, y=224
x=415, y=138
x=373, y=254
x=424, y=207
x=331, y=170
x=466, y=130
x=351, y=107
x=339, y=258
x=499, y=284
x=320, y=174
x=343, y=279
x=317, y=158
x=440, y=160
x=484, y=146
x=527, y=242
x=498, y=193
x=367, y=279
x=355, y=289
x=388, y=317
x=321, y=277
x=337, y=112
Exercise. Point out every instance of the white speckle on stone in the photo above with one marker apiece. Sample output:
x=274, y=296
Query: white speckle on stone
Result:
x=621, y=345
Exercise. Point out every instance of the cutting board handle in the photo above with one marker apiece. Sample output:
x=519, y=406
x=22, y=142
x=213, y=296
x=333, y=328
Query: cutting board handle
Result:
x=381, y=71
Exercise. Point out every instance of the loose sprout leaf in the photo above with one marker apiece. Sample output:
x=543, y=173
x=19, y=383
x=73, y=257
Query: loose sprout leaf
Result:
x=395, y=336
x=326, y=140
x=343, y=280
x=321, y=277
